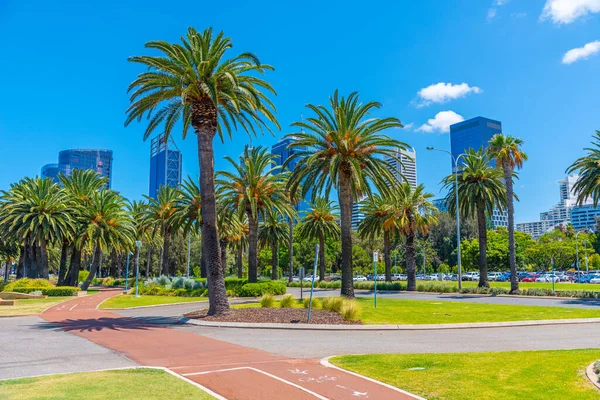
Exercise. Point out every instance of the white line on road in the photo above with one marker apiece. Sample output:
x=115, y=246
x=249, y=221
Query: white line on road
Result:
x=71, y=309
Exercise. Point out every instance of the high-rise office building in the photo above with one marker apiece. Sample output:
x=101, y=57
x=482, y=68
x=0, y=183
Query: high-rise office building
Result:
x=357, y=214
x=406, y=169
x=165, y=164
x=585, y=217
x=50, y=171
x=440, y=204
x=98, y=160
x=281, y=152
x=476, y=133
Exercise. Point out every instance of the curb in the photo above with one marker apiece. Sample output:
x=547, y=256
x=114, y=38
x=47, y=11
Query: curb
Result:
x=325, y=362
x=151, y=306
x=592, y=376
x=389, y=327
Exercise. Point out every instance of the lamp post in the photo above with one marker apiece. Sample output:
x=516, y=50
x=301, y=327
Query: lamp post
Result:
x=188, y=259
x=577, y=254
x=455, y=162
x=138, y=244
x=127, y=271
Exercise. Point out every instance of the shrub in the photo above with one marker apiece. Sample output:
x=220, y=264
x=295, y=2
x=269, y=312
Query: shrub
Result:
x=267, y=301
x=333, y=304
x=177, y=283
x=316, y=303
x=260, y=288
x=108, y=281
x=351, y=310
x=287, y=301
x=83, y=276
x=27, y=283
x=196, y=272
x=162, y=280
x=61, y=291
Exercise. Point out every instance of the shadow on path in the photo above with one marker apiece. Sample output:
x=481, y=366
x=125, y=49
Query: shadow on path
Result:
x=106, y=323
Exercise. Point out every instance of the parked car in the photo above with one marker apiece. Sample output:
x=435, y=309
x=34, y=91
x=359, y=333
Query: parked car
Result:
x=530, y=277
x=493, y=276
x=470, y=276
x=359, y=278
x=548, y=278
x=504, y=277
x=595, y=279
x=381, y=277
x=399, y=277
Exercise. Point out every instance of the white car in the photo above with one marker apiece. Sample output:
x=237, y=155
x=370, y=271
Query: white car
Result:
x=381, y=277
x=399, y=277
x=493, y=276
x=308, y=278
x=595, y=279
x=471, y=276
x=548, y=278
x=359, y=278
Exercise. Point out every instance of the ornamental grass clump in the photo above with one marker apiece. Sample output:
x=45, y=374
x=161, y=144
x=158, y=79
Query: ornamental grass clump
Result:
x=351, y=310
x=316, y=303
x=267, y=301
x=287, y=301
x=333, y=304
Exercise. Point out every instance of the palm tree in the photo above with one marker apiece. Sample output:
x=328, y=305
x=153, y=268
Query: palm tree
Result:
x=341, y=149
x=256, y=185
x=195, y=82
x=108, y=226
x=506, y=150
x=36, y=212
x=144, y=231
x=162, y=214
x=588, y=168
x=79, y=186
x=380, y=217
x=480, y=190
x=272, y=231
x=413, y=214
x=320, y=223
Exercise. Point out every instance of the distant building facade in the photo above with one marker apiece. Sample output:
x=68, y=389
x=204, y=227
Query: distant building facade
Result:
x=440, y=204
x=165, y=165
x=585, y=217
x=357, y=214
x=406, y=168
x=98, y=160
x=281, y=152
x=476, y=133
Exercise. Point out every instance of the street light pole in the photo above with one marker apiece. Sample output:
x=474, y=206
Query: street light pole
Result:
x=455, y=161
x=138, y=244
x=188, y=259
x=127, y=271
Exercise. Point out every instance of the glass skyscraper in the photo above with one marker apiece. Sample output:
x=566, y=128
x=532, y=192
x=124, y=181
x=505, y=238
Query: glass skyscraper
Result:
x=282, y=153
x=93, y=159
x=165, y=165
x=476, y=133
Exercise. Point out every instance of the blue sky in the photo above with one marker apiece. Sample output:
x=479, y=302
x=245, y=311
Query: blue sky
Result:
x=65, y=75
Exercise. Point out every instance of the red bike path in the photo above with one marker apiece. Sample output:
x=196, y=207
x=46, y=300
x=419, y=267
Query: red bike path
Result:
x=232, y=371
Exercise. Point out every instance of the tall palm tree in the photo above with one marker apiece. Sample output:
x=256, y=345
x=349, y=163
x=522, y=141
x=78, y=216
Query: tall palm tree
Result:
x=144, y=230
x=108, y=226
x=79, y=186
x=36, y=212
x=272, y=231
x=588, y=168
x=162, y=214
x=380, y=218
x=320, y=223
x=255, y=186
x=506, y=150
x=413, y=214
x=480, y=189
x=195, y=82
x=340, y=147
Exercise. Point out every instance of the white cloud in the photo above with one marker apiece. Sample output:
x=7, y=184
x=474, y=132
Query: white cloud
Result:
x=441, y=122
x=567, y=11
x=410, y=126
x=442, y=92
x=501, y=2
x=581, y=53
x=493, y=11
x=491, y=14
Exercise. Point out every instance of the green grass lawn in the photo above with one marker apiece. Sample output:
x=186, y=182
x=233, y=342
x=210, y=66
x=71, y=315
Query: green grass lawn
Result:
x=128, y=301
x=142, y=384
x=400, y=311
x=531, y=375
x=31, y=306
x=525, y=285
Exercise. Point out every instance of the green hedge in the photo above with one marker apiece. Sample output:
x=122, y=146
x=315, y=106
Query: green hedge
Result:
x=261, y=288
x=27, y=283
x=157, y=290
x=49, y=291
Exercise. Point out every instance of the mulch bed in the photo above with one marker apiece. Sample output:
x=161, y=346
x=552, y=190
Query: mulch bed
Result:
x=274, y=315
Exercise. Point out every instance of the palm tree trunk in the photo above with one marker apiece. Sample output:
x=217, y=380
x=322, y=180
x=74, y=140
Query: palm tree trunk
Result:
x=165, y=254
x=62, y=268
x=204, y=115
x=483, y=276
x=411, y=267
x=223, y=243
x=252, y=248
x=44, y=271
x=274, y=260
x=387, y=256
x=510, y=205
x=345, y=201
x=238, y=261
x=148, y=261
x=73, y=278
x=322, y=257
x=291, y=249
x=94, y=269
x=32, y=266
x=21, y=263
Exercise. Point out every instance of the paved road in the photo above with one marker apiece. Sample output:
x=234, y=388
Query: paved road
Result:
x=523, y=301
x=27, y=350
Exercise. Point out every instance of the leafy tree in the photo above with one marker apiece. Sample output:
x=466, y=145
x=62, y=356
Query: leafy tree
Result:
x=340, y=147
x=480, y=190
x=320, y=223
x=506, y=150
x=588, y=168
x=196, y=83
x=255, y=187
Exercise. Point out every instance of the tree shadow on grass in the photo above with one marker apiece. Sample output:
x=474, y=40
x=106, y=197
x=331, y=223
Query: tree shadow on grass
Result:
x=106, y=323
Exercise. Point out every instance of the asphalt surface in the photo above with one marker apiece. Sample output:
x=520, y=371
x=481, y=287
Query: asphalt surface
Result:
x=29, y=347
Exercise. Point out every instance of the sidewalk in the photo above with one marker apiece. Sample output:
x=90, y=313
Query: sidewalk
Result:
x=234, y=372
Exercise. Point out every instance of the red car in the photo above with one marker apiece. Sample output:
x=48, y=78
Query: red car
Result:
x=530, y=278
